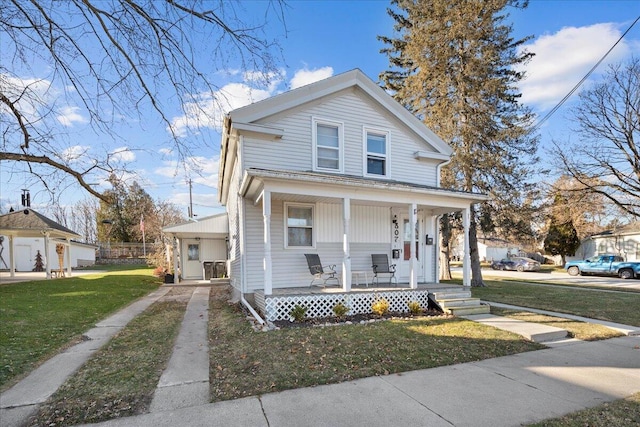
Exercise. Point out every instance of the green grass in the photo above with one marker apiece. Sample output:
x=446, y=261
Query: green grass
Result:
x=120, y=379
x=620, y=307
x=246, y=363
x=39, y=318
x=620, y=413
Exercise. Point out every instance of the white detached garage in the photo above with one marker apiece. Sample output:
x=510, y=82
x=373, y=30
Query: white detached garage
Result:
x=199, y=246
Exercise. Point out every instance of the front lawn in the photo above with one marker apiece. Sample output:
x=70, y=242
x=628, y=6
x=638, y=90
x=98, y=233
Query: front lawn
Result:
x=247, y=363
x=39, y=318
x=619, y=307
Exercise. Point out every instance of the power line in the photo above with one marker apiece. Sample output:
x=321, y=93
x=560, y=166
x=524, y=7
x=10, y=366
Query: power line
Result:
x=567, y=96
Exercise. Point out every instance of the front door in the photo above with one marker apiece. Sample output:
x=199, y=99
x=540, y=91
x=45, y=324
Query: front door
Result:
x=24, y=261
x=192, y=260
x=404, y=264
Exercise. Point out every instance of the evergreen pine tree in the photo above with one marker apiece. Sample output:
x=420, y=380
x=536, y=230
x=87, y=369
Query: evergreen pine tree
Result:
x=39, y=262
x=455, y=67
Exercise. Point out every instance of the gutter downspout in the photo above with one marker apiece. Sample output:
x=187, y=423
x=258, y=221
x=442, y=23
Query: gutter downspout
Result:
x=251, y=310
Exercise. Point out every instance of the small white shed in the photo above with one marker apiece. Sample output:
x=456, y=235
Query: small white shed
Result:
x=28, y=231
x=201, y=245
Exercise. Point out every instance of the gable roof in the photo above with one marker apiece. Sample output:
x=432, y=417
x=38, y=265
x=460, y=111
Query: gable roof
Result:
x=331, y=85
x=29, y=223
x=245, y=118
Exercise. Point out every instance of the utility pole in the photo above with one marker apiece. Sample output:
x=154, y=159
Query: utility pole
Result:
x=191, y=215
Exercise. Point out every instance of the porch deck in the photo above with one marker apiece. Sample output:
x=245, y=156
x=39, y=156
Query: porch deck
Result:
x=320, y=301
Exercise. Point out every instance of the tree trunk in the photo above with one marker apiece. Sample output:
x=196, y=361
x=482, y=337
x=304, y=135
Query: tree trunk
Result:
x=476, y=270
x=444, y=255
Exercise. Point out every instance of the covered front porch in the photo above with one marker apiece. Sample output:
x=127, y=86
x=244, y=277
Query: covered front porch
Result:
x=345, y=221
x=320, y=301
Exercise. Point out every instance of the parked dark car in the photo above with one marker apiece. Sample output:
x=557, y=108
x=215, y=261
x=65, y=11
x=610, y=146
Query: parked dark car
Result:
x=516, y=263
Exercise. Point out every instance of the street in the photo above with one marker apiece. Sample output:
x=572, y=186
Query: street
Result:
x=556, y=277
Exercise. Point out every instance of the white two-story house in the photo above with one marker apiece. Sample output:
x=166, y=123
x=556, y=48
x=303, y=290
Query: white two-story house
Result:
x=336, y=168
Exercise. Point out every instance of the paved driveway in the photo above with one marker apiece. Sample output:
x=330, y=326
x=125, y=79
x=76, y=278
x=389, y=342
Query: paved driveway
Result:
x=558, y=277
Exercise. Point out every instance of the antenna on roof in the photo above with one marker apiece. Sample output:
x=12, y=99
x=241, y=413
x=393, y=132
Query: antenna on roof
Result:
x=26, y=198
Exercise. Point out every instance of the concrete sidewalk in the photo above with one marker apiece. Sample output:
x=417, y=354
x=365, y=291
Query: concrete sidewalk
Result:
x=505, y=391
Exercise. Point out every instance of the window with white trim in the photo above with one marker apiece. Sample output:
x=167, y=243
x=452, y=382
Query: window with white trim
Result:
x=377, y=149
x=298, y=226
x=327, y=142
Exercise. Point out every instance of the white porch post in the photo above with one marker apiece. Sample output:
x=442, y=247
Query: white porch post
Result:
x=413, y=274
x=466, y=263
x=176, y=246
x=12, y=258
x=346, y=258
x=68, y=250
x=266, y=215
x=46, y=253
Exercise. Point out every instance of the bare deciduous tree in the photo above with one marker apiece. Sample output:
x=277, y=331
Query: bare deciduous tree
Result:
x=606, y=160
x=113, y=61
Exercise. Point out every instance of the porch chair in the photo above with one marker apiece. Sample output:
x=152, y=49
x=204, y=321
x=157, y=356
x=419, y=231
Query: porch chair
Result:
x=318, y=272
x=381, y=266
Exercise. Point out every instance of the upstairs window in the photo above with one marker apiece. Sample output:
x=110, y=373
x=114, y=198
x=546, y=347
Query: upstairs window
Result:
x=377, y=149
x=299, y=226
x=327, y=137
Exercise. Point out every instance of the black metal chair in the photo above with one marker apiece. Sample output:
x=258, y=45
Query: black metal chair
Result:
x=381, y=266
x=319, y=273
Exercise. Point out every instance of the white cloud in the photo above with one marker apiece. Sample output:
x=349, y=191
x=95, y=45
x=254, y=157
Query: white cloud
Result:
x=123, y=154
x=562, y=59
x=29, y=94
x=203, y=170
x=166, y=151
x=74, y=153
x=69, y=115
x=208, y=109
x=305, y=77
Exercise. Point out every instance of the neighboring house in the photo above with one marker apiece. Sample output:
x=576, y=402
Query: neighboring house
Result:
x=623, y=241
x=28, y=231
x=489, y=249
x=336, y=168
x=200, y=245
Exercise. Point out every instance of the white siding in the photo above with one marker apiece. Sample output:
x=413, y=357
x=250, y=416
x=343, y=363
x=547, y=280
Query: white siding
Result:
x=233, y=210
x=355, y=110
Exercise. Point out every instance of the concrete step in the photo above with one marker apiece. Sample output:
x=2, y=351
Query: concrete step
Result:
x=459, y=302
x=451, y=295
x=466, y=311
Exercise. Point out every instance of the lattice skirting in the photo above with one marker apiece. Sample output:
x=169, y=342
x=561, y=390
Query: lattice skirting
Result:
x=278, y=307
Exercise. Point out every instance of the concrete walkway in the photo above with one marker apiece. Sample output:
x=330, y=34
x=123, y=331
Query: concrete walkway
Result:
x=505, y=391
x=20, y=401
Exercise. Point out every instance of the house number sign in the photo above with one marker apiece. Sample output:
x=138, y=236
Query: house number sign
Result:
x=396, y=229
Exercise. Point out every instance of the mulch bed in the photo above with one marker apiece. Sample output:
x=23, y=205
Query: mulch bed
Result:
x=354, y=319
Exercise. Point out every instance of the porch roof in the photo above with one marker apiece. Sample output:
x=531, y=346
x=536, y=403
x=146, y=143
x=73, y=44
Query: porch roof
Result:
x=306, y=185
x=214, y=226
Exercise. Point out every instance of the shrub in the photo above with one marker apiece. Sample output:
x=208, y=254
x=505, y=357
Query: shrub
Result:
x=159, y=272
x=340, y=310
x=380, y=307
x=414, y=307
x=298, y=313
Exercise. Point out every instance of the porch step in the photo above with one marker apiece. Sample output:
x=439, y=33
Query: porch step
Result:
x=465, y=311
x=453, y=294
x=458, y=302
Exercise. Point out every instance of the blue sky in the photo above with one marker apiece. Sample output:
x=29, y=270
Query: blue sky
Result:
x=325, y=38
